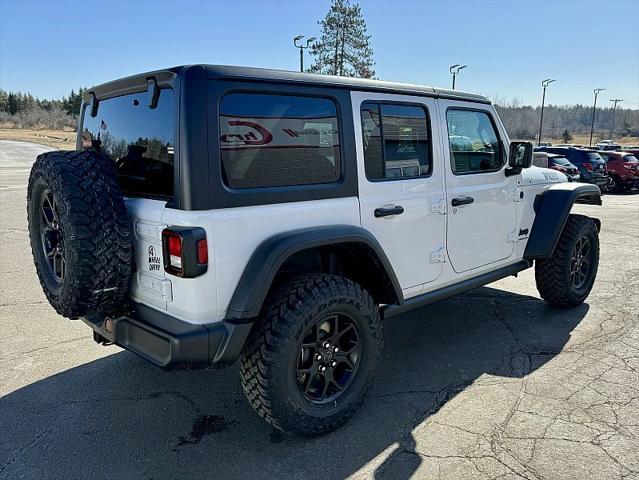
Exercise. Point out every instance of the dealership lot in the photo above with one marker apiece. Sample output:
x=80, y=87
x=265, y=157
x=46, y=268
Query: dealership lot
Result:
x=493, y=383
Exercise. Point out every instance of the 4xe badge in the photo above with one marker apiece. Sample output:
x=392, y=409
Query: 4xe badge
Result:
x=154, y=260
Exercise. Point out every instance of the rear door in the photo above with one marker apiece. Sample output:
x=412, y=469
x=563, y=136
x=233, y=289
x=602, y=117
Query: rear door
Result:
x=481, y=198
x=401, y=183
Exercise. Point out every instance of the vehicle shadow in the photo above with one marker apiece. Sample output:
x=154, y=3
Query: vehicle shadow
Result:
x=120, y=417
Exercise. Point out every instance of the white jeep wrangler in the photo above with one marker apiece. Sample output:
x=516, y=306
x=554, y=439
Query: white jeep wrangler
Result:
x=210, y=213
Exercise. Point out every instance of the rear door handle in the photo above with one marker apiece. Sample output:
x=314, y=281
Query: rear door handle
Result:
x=459, y=201
x=387, y=211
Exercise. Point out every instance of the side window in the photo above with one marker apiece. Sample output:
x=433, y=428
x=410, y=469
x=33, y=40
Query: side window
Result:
x=474, y=144
x=278, y=140
x=396, y=141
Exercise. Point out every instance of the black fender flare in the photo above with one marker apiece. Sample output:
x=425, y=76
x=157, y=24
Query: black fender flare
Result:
x=552, y=209
x=269, y=256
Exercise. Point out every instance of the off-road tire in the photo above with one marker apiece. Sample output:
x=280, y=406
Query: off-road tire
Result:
x=553, y=275
x=268, y=377
x=94, y=229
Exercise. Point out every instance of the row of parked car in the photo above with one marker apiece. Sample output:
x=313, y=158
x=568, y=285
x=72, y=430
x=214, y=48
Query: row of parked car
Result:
x=610, y=166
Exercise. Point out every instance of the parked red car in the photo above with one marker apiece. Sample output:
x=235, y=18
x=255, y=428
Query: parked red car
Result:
x=623, y=169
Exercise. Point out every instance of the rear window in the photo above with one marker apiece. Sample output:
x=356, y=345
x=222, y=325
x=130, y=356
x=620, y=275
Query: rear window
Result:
x=594, y=156
x=139, y=139
x=630, y=159
x=278, y=140
x=396, y=141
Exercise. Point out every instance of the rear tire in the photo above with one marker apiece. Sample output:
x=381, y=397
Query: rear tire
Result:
x=615, y=185
x=566, y=278
x=79, y=232
x=286, y=365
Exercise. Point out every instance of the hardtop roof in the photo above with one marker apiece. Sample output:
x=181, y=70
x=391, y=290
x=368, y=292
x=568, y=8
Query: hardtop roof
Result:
x=221, y=72
x=226, y=72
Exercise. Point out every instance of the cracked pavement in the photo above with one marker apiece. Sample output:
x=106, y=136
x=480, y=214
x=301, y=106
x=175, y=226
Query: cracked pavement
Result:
x=490, y=384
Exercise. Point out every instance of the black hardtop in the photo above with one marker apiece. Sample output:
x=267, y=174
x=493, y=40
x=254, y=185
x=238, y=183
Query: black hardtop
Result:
x=222, y=72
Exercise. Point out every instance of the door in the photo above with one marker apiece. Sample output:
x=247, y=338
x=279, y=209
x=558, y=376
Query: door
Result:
x=401, y=182
x=481, y=198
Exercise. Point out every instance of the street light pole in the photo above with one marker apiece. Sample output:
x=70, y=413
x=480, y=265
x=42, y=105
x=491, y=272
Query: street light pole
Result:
x=544, y=84
x=302, y=48
x=594, y=109
x=454, y=71
x=614, y=110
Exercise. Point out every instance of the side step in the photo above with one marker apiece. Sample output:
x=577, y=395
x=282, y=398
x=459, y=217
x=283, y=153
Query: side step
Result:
x=452, y=290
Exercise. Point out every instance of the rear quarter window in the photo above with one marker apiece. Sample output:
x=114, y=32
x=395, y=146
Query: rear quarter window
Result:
x=139, y=140
x=269, y=140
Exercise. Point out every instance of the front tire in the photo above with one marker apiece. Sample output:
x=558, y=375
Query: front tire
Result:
x=566, y=278
x=310, y=361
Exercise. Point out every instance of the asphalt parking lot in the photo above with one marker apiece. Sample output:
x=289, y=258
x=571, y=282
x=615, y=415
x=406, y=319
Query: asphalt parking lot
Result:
x=491, y=384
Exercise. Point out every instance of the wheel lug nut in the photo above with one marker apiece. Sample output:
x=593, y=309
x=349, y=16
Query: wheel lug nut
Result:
x=318, y=357
x=322, y=368
x=327, y=345
x=336, y=349
x=333, y=364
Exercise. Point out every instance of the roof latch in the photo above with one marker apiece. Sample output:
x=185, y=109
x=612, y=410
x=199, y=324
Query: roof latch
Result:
x=152, y=92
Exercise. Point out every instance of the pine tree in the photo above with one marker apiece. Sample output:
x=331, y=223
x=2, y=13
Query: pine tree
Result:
x=344, y=48
x=72, y=103
x=4, y=101
x=566, y=136
x=13, y=103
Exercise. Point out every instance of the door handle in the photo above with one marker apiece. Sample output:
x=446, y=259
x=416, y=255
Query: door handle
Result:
x=387, y=211
x=459, y=201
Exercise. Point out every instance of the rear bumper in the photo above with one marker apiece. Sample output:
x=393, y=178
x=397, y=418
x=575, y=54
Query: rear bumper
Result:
x=169, y=342
x=630, y=180
x=598, y=180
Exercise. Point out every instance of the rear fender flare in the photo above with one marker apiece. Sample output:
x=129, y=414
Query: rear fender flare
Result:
x=269, y=256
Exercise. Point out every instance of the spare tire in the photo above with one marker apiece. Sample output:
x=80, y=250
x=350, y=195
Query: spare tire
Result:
x=79, y=232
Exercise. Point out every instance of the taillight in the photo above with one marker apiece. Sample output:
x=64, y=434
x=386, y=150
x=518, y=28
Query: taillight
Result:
x=174, y=249
x=185, y=251
x=202, y=252
x=588, y=166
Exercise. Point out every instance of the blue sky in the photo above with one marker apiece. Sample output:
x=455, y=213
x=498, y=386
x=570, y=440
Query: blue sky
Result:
x=49, y=47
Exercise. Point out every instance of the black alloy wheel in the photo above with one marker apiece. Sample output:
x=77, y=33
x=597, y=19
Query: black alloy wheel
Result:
x=329, y=358
x=580, y=263
x=52, y=236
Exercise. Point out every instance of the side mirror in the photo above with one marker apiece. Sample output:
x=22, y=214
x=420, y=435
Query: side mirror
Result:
x=520, y=157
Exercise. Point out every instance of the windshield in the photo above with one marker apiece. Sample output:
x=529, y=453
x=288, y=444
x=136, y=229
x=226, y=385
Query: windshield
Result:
x=138, y=139
x=563, y=161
